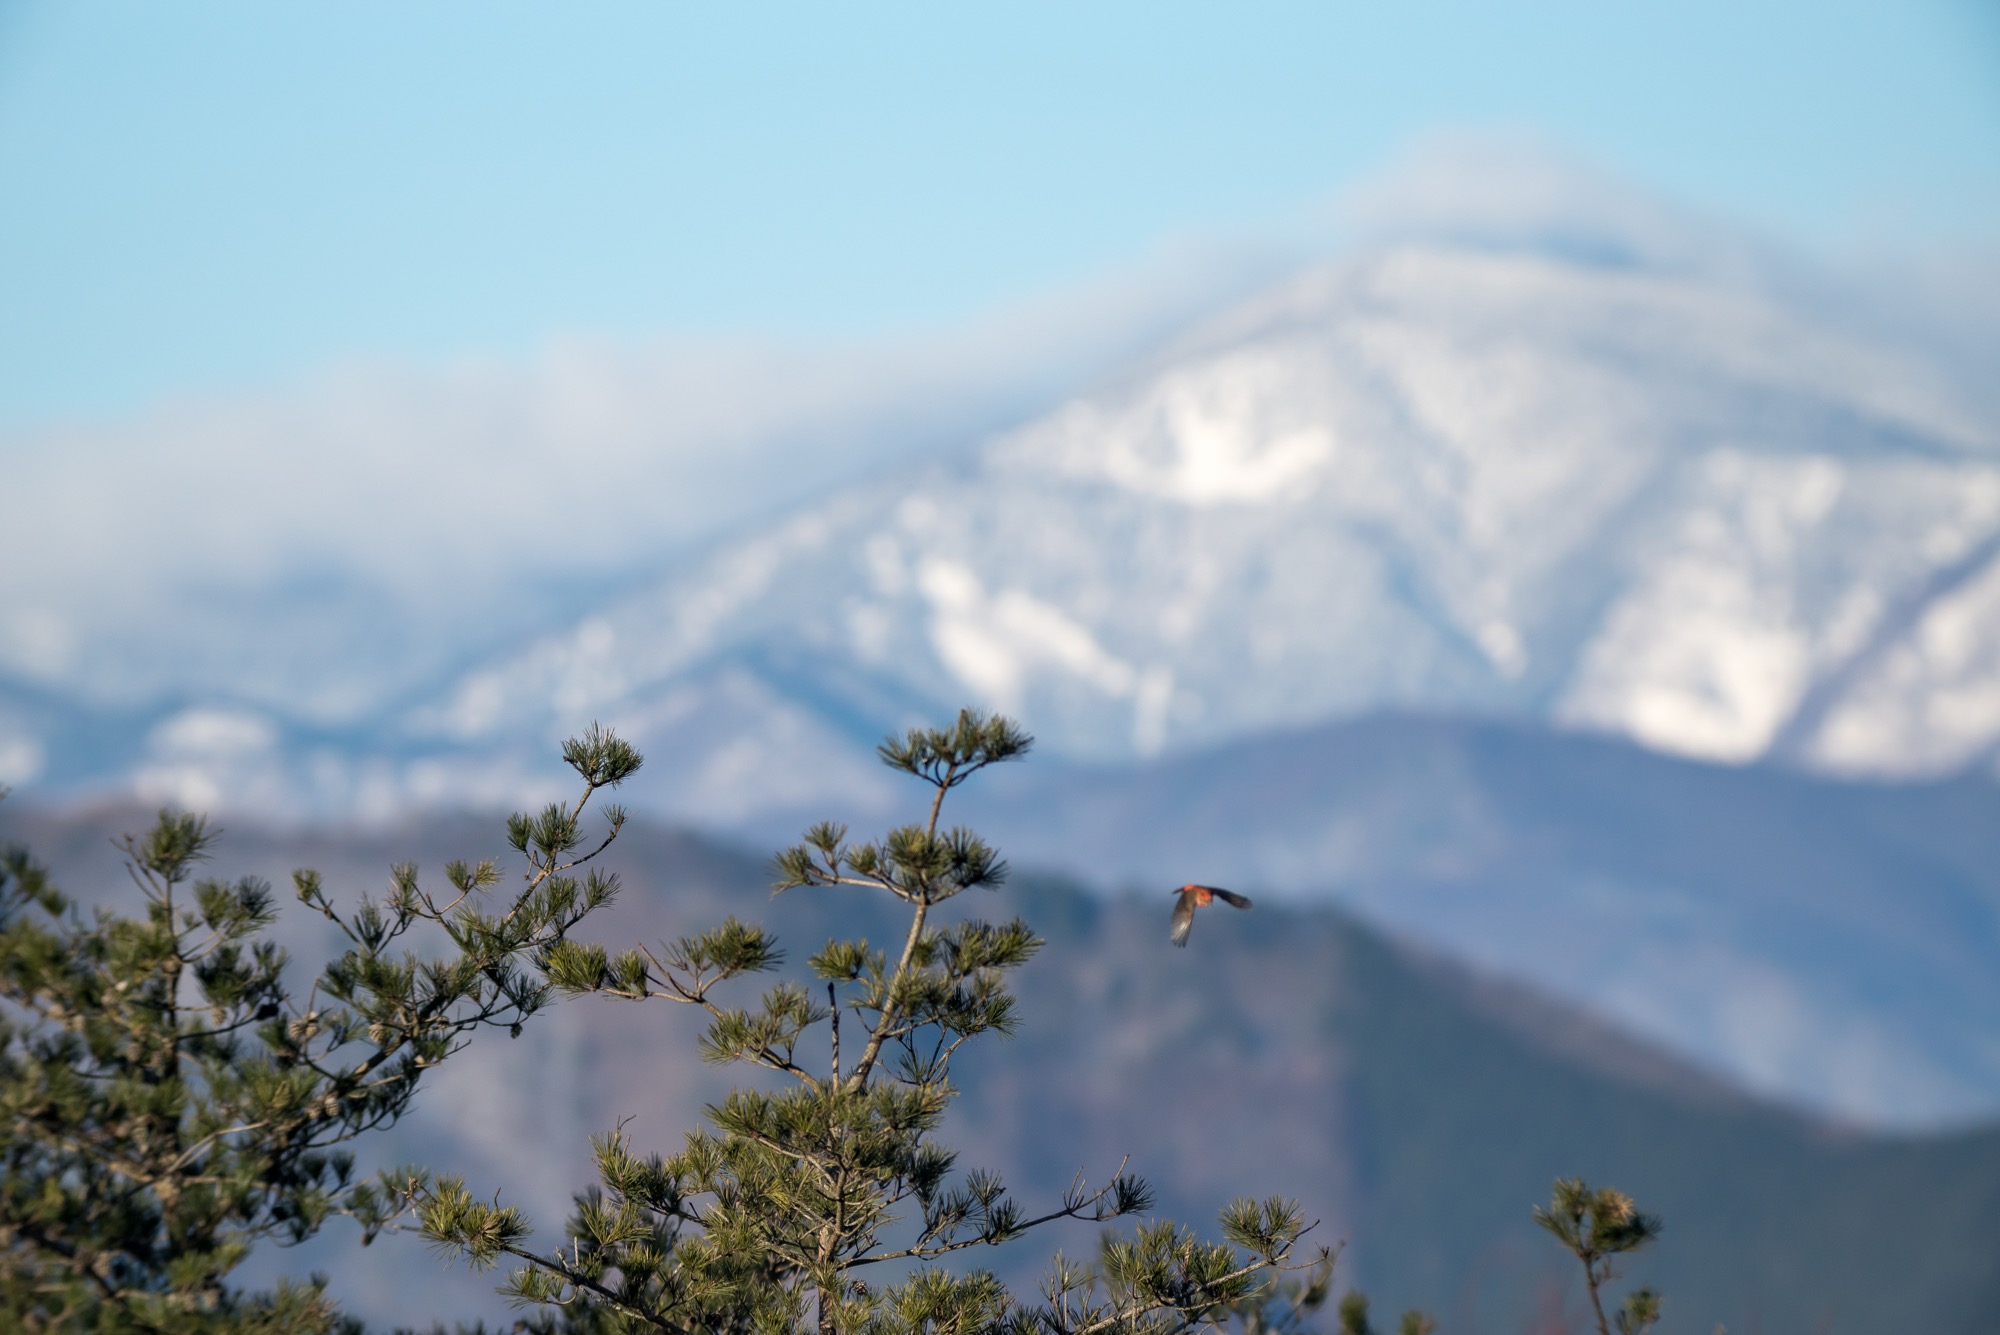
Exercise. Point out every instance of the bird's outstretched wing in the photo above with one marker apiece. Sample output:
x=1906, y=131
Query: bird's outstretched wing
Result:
x=1183, y=920
x=1231, y=898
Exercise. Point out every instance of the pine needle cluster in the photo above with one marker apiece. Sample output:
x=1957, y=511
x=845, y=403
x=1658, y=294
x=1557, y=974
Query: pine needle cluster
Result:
x=172, y=1100
x=1597, y=1226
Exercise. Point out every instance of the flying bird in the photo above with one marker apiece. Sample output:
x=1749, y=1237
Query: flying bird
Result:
x=1193, y=897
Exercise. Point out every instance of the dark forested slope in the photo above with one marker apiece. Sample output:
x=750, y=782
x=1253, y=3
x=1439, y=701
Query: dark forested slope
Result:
x=1419, y=1111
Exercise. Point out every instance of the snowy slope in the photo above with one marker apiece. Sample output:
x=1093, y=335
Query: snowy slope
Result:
x=1438, y=479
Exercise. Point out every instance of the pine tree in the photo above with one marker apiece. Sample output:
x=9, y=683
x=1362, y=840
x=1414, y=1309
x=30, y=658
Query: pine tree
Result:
x=1596, y=1226
x=776, y=1216
x=173, y=1099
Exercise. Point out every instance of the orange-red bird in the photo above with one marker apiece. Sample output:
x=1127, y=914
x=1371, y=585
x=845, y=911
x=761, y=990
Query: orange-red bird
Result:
x=1193, y=897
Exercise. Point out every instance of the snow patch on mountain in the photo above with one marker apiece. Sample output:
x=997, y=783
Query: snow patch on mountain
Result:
x=1438, y=478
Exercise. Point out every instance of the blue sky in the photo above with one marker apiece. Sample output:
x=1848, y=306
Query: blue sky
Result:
x=206, y=197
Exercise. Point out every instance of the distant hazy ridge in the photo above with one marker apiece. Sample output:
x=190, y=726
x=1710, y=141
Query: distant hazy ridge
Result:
x=1416, y=1110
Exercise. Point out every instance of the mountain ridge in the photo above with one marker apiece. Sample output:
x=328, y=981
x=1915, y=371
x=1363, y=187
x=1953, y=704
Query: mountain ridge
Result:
x=1342, y=512
x=1288, y=1051
x=1829, y=942
x=1438, y=480
x=1634, y=497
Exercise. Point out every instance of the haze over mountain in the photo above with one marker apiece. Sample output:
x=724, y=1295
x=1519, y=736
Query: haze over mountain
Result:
x=1624, y=482
x=1415, y=1109
x=321, y=551
x=1436, y=479
x=1826, y=943
x=1544, y=448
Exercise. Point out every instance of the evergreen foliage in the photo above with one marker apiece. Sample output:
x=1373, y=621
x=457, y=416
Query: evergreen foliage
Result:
x=1598, y=1226
x=172, y=1101
x=1353, y=1311
x=776, y=1216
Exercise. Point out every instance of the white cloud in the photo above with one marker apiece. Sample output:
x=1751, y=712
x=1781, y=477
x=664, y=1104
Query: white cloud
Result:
x=1517, y=191
x=330, y=551
x=1511, y=189
x=324, y=548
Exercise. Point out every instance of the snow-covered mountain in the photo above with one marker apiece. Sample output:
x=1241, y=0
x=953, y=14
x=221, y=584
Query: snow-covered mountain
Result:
x=1437, y=479
x=1640, y=499
x=1671, y=507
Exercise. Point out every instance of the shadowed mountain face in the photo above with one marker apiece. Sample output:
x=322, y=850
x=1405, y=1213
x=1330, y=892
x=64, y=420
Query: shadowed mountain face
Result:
x=1827, y=943
x=1421, y=1112
x=1417, y=1110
